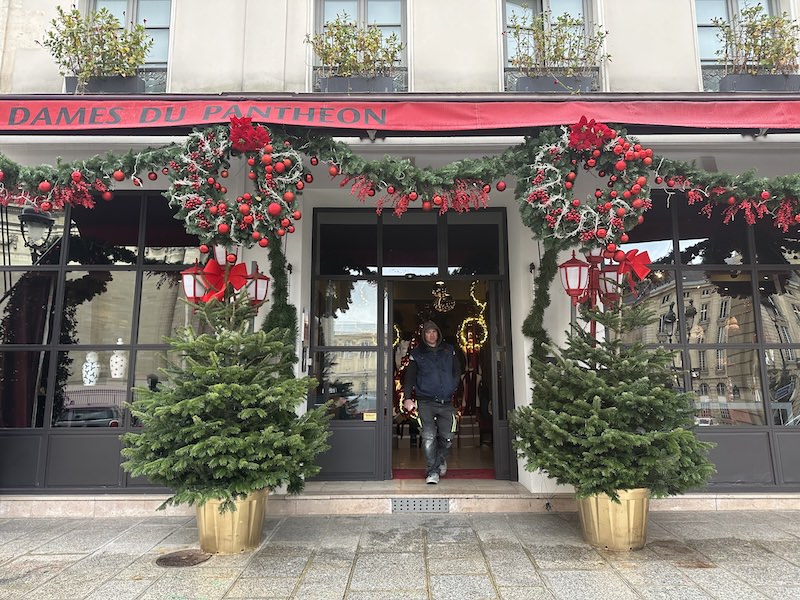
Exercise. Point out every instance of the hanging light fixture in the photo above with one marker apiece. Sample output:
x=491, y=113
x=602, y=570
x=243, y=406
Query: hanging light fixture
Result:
x=36, y=227
x=444, y=301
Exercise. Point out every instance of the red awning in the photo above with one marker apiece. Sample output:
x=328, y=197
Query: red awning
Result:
x=41, y=114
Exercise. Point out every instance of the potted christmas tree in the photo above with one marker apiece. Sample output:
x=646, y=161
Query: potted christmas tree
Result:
x=759, y=51
x=606, y=419
x=96, y=53
x=554, y=54
x=221, y=431
x=354, y=58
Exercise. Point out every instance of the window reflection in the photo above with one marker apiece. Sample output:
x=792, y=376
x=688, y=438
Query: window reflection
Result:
x=19, y=251
x=26, y=307
x=162, y=309
x=348, y=313
x=23, y=386
x=729, y=396
x=100, y=307
x=348, y=380
x=782, y=379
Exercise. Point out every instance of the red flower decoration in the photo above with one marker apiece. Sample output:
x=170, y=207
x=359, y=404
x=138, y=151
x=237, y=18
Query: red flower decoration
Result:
x=245, y=137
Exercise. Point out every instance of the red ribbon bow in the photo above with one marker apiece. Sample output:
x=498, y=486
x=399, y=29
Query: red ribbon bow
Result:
x=219, y=277
x=635, y=263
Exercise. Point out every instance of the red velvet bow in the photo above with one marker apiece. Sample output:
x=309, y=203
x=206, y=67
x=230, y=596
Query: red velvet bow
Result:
x=215, y=275
x=635, y=263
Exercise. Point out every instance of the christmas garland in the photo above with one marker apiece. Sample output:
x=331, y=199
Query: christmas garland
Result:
x=546, y=168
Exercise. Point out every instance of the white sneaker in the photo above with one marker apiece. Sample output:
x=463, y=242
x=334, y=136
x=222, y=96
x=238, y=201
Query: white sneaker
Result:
x=432, y=479
x=443, y=469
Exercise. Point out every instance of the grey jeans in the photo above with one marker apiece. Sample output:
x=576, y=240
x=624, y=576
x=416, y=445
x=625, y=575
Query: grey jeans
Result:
x=438, y=427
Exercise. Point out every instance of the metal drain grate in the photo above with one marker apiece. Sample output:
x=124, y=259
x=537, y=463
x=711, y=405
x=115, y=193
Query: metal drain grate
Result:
x=441, y=505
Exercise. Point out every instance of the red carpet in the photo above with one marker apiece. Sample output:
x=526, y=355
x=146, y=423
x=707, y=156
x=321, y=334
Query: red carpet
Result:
x=451, y=474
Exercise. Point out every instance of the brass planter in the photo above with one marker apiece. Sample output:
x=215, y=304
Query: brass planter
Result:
x=232, y=532
x=617, y=527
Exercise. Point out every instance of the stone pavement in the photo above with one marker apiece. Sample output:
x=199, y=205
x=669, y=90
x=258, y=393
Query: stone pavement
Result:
x=407, y=556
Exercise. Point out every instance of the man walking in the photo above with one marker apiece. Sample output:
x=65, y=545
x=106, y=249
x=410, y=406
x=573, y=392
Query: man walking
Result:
x=434, y=372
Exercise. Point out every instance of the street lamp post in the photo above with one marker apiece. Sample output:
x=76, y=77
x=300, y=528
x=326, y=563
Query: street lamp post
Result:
x=591, y=282
x=36, y=227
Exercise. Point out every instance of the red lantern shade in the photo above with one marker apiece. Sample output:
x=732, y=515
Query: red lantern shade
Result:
x=574, y=277
x=194, y=284
x=257, y=287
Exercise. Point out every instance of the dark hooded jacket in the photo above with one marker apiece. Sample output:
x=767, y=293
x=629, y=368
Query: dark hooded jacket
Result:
x=433, y=371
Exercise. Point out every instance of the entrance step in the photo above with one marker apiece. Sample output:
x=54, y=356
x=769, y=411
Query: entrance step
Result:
x=378, y=497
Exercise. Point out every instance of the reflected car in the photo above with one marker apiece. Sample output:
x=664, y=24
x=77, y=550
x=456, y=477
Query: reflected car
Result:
x=90, y=416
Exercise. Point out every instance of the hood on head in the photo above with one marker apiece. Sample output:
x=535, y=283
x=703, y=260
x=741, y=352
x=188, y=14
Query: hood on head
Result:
x=431, y=325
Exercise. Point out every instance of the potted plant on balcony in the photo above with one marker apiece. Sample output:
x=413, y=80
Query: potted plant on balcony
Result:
x=95, y=53
x=759, y=51
x=221, y=431
x=555, y=54
x=606, y=419
x=354, y=58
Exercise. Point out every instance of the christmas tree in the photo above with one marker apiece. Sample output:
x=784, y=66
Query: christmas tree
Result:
x=223, y=424
x=606, y=417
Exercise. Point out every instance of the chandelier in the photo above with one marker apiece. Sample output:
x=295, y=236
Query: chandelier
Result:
x=444, y=301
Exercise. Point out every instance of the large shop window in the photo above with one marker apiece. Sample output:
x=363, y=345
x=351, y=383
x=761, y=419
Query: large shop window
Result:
x=83, y=316
x=155, y=15
x=726, y=300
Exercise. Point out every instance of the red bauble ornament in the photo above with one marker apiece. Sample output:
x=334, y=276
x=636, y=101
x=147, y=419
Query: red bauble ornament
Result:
x=263, y=242
x=638, y=203
x=671, y=183
x=213, y=210
x=568, y=185
x=118, y=175
x=640, y=220
x=2, y=176
x=223, y=228
x=46, y=206
x=437, y=200
x=203, y=249
x=285, y=222
x=251, y=162
x=255, y=235
x=247, y=196
x=608, y=205
x=621, y=212
x=248, y=219
x=426, y=205
x=636, y=188
x=624, y=238
x=296, y=215
x=501, y=186
x=571, y=176
x=290, y=229
x=576, y=202
x=598, y=193
x=281, y=232
x=211, y=181
x=309, y=178
x=601, y=233
x=619, y=256
x=370, y=192
x=252, y=175
x=390, y=189
x=591, y=163
x=274, y=209
x=76, y=176
x=487, y=188
x=333, y=170
x=106, y=196
x=641, y=180
x=288, y=197
x=611, y=248
x=314, y=161
x=287, y=162
x=45, y=186
x=152, y=176
x=659, y=180
x=765, y=195
x=266, y=159
x=620, y=165
x=244, y=209
x=731, y=200
x=231, y=258
x=412, y=196
x=299, y=185
x=223, y=173
x=279, y=167
x=268, y=148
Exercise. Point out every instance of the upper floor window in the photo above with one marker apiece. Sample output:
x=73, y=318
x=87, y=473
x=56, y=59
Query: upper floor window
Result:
x=155, y=16
x=517, y=10
x=387, y=15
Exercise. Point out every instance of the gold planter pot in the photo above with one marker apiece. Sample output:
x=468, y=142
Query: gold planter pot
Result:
x=232, y=532
x=617, y=527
